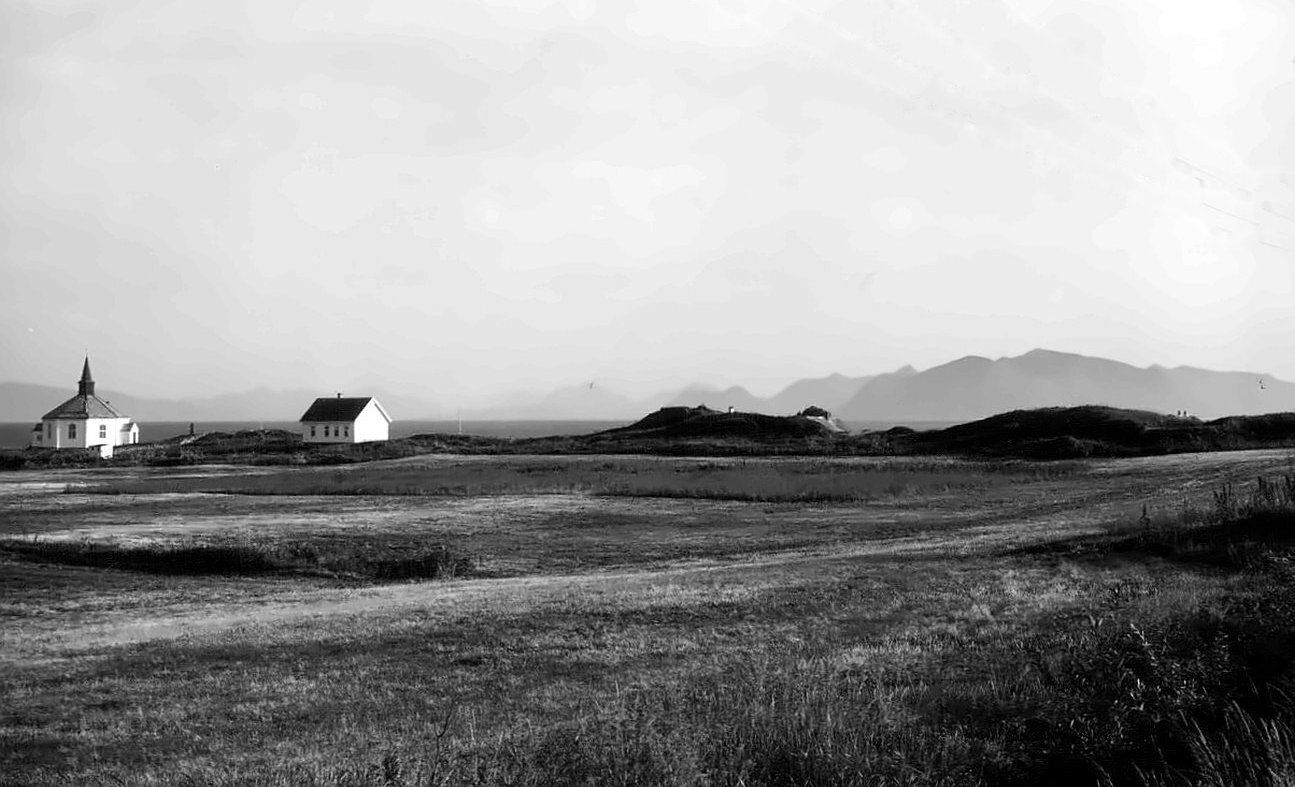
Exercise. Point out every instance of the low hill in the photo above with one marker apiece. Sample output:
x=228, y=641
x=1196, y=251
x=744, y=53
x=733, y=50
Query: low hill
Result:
x=1090, y=430
x=677, y=422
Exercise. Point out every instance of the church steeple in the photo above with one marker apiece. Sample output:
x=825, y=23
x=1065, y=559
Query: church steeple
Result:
x=86, y=386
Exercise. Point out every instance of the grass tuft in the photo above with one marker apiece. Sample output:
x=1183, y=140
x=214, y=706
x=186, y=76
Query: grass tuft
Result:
x=1238, y=529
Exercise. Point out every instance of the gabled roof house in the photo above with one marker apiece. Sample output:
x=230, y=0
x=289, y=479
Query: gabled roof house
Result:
x=345, y=419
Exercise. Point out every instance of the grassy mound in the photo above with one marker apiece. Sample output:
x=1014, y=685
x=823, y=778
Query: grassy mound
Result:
x=685, y=422
x=1091, y=430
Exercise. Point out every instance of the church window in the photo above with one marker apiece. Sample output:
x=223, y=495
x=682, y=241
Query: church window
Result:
x=71, y=431
x=49, y=430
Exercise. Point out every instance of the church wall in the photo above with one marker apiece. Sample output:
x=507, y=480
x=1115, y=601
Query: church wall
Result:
x=87, y=433
x=62, y=438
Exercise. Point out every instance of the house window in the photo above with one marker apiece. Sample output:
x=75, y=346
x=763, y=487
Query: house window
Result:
x=49, y=431
x=71, y=431
x=325, y=430
x=348, y=430
x=103, y=430
x=312, y=430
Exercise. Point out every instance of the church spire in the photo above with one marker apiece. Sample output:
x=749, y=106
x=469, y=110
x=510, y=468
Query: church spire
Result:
x=86, y=386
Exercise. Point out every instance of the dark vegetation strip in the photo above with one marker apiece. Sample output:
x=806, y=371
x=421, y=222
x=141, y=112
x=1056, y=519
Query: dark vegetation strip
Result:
x=360, y=561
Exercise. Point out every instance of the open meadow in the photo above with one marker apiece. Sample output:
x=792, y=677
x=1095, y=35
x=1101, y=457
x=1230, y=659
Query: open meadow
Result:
x=641, y=620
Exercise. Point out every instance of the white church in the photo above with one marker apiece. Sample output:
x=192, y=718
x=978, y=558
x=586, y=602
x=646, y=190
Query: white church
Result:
x=85, y=421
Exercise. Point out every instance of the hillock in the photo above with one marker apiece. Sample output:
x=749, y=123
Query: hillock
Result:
x=700, y=422
x=1091, y=430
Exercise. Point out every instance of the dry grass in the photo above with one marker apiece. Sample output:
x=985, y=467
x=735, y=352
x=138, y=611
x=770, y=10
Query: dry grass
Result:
x=760, y=480
x=669, y=641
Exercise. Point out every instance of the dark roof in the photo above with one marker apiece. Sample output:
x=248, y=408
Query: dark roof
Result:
x=85, y=386
x=83, y=406
x=336, y=408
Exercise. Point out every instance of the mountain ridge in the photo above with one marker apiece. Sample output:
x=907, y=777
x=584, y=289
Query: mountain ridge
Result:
x=962, y=389
x=975, y=387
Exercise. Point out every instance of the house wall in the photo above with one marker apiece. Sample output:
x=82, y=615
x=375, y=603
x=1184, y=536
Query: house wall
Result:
x=338, y=432
x=370, y=425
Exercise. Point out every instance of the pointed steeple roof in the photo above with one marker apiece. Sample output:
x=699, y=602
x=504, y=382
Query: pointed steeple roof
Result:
x=85, y=404
x=86, y=385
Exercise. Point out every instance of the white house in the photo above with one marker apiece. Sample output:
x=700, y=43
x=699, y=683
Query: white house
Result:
x=85, y=421
x=345, y=419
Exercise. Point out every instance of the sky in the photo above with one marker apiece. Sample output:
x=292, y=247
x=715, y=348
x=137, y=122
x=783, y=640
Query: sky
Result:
x=472, y=198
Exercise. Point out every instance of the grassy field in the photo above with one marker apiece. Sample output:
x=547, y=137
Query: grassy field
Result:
x=630, y=620
x=760, y=480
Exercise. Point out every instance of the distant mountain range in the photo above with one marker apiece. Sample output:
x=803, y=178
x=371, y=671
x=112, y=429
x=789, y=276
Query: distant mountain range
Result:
x=962, y=390
x=975, y=387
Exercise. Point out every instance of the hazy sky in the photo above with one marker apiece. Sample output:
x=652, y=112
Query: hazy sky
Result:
x=476, y=197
